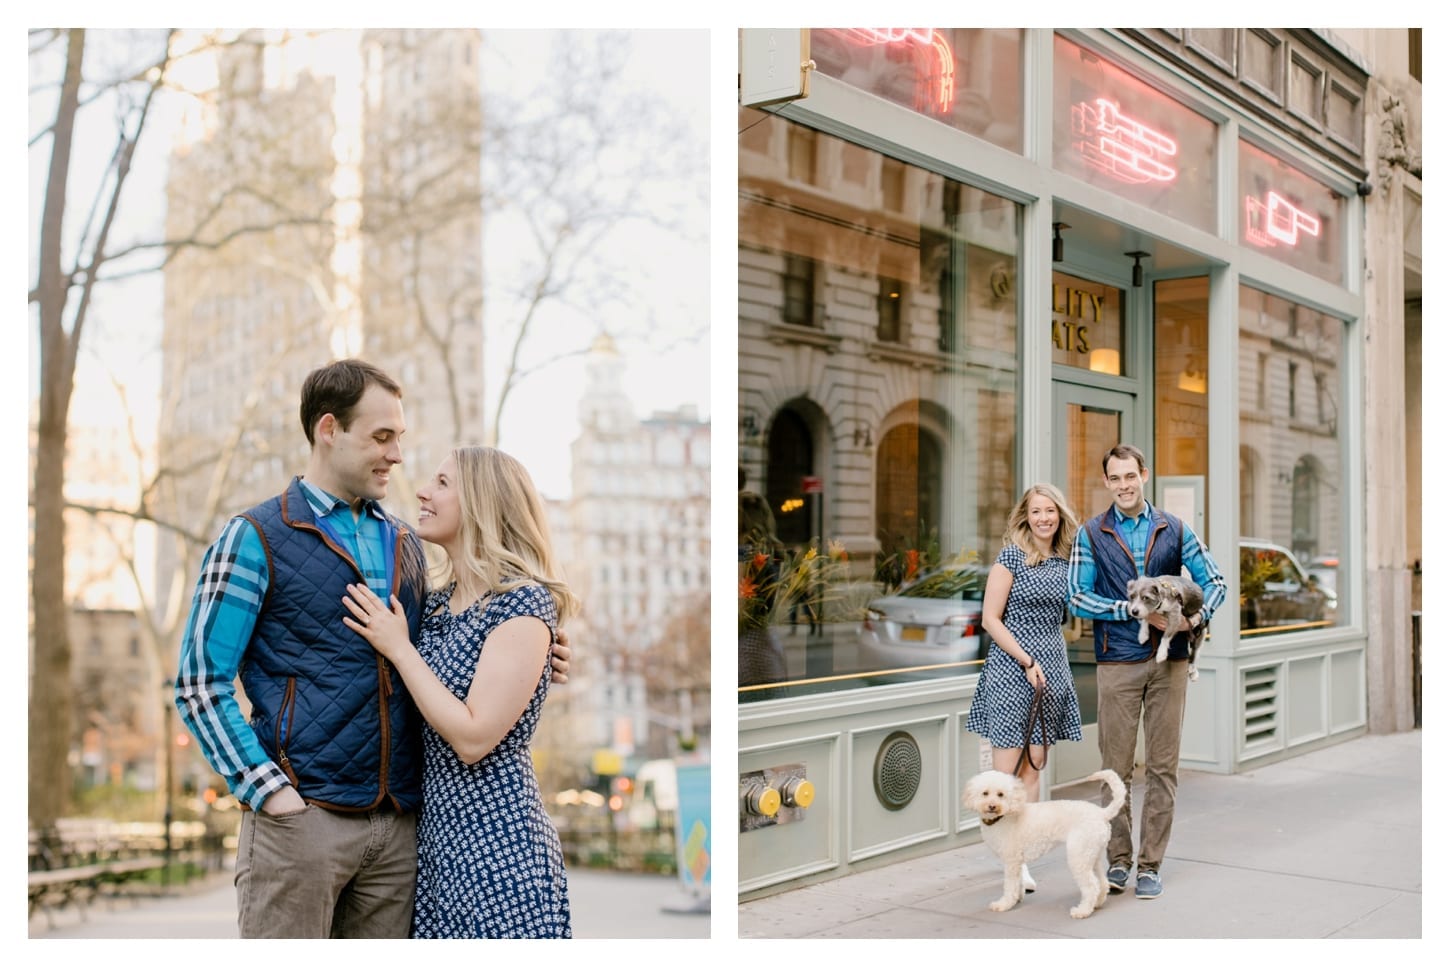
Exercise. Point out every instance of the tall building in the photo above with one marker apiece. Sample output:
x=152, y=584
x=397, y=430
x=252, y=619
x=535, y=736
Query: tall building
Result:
x=337, y=200
x=109, y=556
x=121, y=700
x=638, y=526
x=249, y=310
x=116, y=681
x=421, y=270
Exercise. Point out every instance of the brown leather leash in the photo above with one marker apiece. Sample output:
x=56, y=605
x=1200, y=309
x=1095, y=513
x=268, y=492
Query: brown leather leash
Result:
x=1036, y=714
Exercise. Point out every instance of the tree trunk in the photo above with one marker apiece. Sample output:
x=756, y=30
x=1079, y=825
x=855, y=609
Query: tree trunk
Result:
x=50, y=692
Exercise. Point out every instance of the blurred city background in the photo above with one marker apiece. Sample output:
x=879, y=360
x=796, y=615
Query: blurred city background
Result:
x=513, y=224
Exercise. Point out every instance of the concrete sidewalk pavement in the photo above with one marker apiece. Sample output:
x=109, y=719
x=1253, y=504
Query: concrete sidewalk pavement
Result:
x=1328, y=844
x=604, y=905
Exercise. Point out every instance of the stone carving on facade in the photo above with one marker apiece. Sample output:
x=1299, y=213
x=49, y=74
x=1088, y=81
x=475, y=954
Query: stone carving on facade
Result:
x=1395, y=147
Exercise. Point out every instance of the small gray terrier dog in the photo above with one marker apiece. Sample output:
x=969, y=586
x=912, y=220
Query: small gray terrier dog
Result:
x=1177, y=599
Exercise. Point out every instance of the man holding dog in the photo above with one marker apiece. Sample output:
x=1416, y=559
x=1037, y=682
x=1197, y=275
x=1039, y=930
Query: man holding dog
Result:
x=1128, y=540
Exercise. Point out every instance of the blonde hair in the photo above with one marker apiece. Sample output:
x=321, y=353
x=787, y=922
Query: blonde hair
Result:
x=1019, y=531
x=504, y=531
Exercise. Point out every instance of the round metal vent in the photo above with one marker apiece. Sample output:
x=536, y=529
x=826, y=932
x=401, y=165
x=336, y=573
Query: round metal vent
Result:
x=897, y=774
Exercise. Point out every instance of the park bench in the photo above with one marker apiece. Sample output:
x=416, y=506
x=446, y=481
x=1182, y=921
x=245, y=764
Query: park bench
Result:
x=82, y=860
x=76, y=885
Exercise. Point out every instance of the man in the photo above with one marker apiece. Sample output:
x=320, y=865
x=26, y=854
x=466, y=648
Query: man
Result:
x=1128, y=540
x=329, y=767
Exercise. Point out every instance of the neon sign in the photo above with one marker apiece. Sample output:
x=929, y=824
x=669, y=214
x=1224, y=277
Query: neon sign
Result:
x=1276, y=221
x=1122, y=146
x=936, y=86
x=889, y=35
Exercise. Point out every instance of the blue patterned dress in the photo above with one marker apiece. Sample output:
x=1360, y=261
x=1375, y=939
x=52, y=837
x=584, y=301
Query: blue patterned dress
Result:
x=489, y=860
x=1034, y=616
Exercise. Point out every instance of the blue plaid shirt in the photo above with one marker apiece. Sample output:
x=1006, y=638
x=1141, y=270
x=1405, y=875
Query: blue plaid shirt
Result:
x=224, y=611
x=1082, y=573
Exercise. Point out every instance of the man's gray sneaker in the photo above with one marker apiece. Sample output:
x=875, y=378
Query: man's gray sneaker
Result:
x=1117, y=879
x=1150, y=884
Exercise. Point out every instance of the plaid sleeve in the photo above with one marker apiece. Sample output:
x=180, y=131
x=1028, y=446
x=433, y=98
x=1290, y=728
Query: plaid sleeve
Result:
x=1205, y=573
x=224, y=611
x=1082, y=575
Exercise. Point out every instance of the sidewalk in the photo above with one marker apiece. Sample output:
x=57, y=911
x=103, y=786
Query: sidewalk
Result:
x=604, y=905
x=1324, y=845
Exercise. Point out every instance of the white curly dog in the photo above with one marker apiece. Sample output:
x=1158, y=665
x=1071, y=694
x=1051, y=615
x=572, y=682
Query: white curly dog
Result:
x=1019, y=831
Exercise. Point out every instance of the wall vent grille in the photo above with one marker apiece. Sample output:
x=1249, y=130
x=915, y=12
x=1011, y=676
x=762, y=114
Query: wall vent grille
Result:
x=1261, y=705
x=897, y=774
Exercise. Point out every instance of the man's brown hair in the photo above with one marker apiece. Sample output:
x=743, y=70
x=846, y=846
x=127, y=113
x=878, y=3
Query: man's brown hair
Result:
x=336, y=388
x=1125, y=451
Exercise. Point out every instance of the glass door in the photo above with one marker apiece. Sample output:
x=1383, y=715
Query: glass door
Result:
x=1088, y=421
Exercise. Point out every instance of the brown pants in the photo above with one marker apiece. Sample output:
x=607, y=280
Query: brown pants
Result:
x=1156, y=693
x=318, y=873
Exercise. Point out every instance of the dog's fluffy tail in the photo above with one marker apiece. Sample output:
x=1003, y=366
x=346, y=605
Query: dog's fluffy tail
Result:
x=1120, y=792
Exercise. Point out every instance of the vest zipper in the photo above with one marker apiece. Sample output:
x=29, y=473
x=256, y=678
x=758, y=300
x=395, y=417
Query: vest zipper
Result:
x=284, y=730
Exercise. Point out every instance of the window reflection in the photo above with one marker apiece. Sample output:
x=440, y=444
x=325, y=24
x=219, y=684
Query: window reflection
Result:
x=968, y=78
x=878, y=344
x=1087, y=324
x=1180, y=381
x=1116, y=132
x=1289, y=215
x=1290, y=468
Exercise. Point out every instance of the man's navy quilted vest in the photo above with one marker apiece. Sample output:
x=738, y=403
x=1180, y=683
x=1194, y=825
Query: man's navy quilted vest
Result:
x=1117, y=641
x=331, y=711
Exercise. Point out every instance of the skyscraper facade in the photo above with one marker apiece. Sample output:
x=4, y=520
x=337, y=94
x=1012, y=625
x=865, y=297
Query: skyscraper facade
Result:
x=333, y=205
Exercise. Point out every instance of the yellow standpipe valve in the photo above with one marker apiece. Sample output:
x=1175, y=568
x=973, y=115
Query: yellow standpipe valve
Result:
x=798, y=792
x=763, y=801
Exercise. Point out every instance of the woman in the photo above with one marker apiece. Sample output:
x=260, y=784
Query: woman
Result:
x=761, y=660
x=489, y=859
x=1022, y=611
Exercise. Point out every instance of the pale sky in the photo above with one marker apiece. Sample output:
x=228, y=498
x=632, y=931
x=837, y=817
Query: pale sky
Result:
x=123, y=332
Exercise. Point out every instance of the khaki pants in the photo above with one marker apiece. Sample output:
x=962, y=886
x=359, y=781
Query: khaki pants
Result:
x=1156, y=692
x=318, y=873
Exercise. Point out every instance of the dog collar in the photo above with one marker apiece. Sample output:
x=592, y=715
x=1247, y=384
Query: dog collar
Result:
x=989, y=820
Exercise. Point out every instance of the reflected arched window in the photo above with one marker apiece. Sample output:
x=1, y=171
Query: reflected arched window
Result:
x=791, y=457
x=908, y=490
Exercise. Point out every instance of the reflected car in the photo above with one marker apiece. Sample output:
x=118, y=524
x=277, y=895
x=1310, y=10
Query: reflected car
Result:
x=934, y=619
x=1276, y=589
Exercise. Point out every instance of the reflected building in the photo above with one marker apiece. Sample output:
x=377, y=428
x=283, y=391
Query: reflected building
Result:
x=878, y=341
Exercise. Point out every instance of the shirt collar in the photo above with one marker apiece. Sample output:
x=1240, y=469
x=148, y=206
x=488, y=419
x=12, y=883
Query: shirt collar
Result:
x=324, y=504
x=1144, y=515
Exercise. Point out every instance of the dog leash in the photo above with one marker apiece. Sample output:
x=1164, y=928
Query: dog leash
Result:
x=1036, y=714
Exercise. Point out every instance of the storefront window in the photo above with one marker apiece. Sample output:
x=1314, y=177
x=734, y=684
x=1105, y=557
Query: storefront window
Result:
x=1180, y=386
x=1291, y=483
x=1087, y=325
x=970, y=79
x=1289, y=215
x=1114, y=131
x=882, y=435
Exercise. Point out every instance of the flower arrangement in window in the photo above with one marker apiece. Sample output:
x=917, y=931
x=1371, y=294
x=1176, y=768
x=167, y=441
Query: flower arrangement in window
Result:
x=905, y=564
x=770, y=583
